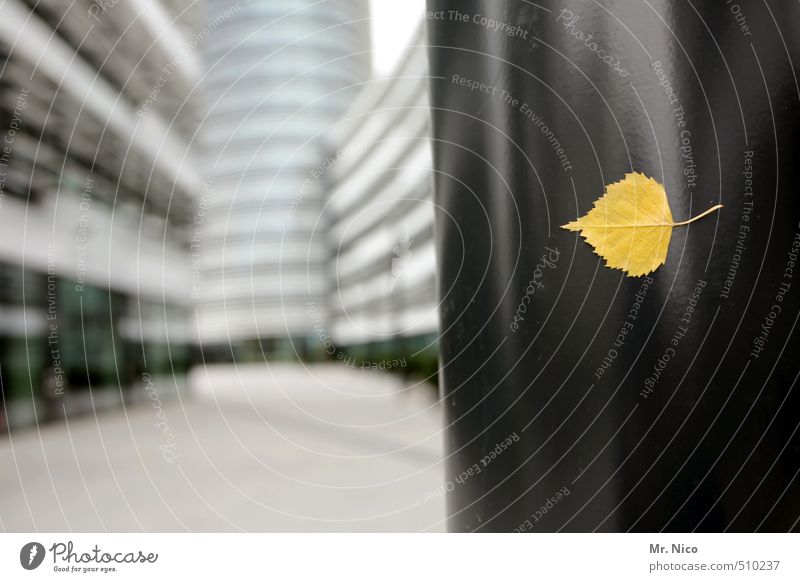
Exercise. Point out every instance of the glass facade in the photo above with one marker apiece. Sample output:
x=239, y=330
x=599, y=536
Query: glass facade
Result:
x=278, y=76
x=97, y=193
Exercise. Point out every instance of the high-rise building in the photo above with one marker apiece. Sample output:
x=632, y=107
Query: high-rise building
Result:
x=279, y=73
x=97, y=195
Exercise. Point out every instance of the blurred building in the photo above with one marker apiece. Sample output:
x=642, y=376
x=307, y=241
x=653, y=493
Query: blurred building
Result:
x=97, y=196
x=380, y=211
x=279, y=74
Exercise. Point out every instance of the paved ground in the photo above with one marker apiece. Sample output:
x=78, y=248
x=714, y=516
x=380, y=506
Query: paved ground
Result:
x=284, y=448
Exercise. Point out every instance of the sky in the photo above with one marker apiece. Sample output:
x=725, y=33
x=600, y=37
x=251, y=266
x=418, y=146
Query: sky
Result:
x=393, y=23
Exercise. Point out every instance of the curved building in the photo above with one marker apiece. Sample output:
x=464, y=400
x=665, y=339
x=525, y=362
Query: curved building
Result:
x=279, y=73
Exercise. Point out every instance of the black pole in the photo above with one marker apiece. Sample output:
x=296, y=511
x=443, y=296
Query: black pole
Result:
x=580, y=399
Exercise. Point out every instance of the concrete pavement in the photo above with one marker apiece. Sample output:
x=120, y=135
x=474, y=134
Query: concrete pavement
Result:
x=251, y=448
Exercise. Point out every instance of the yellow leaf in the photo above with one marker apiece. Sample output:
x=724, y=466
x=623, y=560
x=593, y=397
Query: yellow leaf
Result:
x=630, y=226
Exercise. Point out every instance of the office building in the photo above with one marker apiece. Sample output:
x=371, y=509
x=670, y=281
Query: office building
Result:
x=279, y=74
x=98, y=187
x=380, y=210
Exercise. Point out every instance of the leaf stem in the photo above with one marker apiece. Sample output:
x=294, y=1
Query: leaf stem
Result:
x=699, y=216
